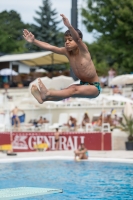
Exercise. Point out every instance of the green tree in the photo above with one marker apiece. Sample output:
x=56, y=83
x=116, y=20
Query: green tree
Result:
x=113, y=22
x=46, y=26
x=11, y=27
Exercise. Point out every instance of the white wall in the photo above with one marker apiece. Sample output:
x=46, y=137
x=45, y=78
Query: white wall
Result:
x=22, y=67
x=55, y=112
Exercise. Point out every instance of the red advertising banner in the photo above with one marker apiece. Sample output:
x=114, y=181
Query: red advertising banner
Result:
x=25, y=141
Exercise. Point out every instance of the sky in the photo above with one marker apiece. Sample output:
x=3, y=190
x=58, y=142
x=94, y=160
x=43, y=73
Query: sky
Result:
x=27, y=8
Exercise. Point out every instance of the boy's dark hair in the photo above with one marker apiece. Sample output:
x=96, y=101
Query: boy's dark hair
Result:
x=67, y=33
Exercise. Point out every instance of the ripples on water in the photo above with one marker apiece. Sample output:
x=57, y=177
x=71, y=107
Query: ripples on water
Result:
x=79, y=180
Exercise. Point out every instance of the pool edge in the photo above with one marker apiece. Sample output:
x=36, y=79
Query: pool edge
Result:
x=71, y=158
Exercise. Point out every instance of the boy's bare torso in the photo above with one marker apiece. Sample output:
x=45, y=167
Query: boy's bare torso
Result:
x=83, y=66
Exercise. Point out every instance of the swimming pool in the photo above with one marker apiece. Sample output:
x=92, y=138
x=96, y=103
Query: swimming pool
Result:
x=79, y=180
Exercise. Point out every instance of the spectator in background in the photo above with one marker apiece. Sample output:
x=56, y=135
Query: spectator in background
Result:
x=15, y=117
x=111, y=75
x=85, y=120
x=115, y=121
x=40, y=121
x=108, y=119
x=116, y=90
x=104, y=81
x=81, y=153
x=7, y=94
x=45, y=120
x=57, y=136
x=72, y=123
x=98, y=122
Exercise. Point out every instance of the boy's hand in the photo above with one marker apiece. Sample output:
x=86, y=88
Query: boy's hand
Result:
x=28, y=36
x=65, y=20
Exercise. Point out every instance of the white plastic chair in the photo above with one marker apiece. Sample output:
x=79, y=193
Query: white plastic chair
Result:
x=106, y=127
x=2, y=122
x=89, y=127
x=63, y=118
x=7, y=121
x=45, y=127
x=80, y=119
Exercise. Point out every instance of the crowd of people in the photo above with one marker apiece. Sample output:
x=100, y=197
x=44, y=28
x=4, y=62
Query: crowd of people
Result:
x=39, y=122
x=112, y=118
x=105, y=117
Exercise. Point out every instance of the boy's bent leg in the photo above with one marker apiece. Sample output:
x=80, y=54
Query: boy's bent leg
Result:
x=81, y=156
x=89, y=91
x=85, y=156
x=85, y=91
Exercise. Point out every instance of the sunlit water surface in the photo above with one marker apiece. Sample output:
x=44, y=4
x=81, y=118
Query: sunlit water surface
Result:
x=79, y=180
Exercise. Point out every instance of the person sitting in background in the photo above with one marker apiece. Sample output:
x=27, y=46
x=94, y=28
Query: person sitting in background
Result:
x=72, y=123
x=36, y=122
x=45, y=120
x=104, y=81
x=111, y=75
x=97, y=123
x=108, y=119
x=86, y=119
x=116, y=90
x=81, y=153
x=115, y=121
x=33, y=122
x=40, y=121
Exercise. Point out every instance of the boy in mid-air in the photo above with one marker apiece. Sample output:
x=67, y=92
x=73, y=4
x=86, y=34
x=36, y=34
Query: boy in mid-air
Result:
x=80, y=61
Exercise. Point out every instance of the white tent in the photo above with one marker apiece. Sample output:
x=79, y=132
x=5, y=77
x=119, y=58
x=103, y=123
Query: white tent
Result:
x=122, y=79
x=36, y=59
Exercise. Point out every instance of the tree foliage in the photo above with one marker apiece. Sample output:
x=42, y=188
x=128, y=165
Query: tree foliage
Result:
x=46, y=26
x=113, y=22
x=11, y=27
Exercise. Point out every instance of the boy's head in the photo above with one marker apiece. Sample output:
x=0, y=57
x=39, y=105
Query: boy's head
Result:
x=67, y=33
x=70, y=44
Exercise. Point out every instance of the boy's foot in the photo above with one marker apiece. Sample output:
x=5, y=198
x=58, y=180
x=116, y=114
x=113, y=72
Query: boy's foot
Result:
x=43, y=90
x=36, y=93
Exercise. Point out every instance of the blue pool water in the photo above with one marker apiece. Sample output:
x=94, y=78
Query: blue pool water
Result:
x=79, y=180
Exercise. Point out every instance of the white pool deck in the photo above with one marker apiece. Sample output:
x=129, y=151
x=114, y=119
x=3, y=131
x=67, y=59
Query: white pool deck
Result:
x=105, y=156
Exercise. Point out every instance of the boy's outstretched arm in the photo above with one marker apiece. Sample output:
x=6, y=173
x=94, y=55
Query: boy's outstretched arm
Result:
x=74, y=33
x=29, y=37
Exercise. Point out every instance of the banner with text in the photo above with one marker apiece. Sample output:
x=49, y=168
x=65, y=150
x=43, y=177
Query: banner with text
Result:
x=25, y=141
